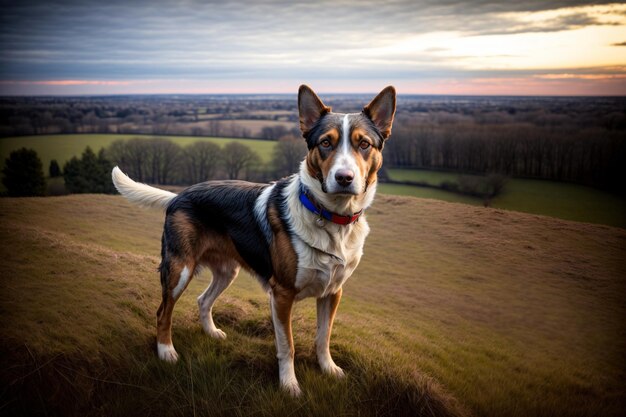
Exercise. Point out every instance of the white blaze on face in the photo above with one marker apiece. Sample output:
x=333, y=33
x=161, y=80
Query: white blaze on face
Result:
x=344, y=159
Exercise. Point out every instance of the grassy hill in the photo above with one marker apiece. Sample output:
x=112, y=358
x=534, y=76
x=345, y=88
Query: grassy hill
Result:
x=455, y=310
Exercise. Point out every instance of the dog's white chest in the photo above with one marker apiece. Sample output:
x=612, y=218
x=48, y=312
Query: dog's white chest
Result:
x=323, y=272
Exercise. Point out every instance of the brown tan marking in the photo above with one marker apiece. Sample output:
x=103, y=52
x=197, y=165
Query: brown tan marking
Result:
x=283, y=303
x=368, y=160
x=313, y=164
x=374, y=166
x=164, y=320
x=284, y=298
x=318, y=164
x=185, y=232
x=218, y=249
x=332, y=135
x=209, y=248
x=284, y=257
x=359, y=134
x=164, y=313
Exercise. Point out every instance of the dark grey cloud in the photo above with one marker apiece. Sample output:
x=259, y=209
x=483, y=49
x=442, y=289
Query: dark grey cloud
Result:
x=76, y=39
x=567, y=22
x=494, y=6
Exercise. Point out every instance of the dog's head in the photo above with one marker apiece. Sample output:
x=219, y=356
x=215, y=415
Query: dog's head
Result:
x=345, y=150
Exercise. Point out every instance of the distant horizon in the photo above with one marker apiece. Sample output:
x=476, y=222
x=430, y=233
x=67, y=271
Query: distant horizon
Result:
x=474, y=87
x=321, y=92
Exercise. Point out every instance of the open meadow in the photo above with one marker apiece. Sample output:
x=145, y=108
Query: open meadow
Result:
x=455, y=310
x=64, y=147
x=558, y=199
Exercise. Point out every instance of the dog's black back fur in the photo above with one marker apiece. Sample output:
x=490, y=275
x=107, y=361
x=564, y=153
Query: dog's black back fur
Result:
x=224, y=208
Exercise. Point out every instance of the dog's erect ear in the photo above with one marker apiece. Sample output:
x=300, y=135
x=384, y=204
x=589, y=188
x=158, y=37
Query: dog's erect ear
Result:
x=381, y=110
x=310, y=107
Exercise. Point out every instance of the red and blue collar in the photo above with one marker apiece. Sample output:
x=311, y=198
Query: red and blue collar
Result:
x=319, y=210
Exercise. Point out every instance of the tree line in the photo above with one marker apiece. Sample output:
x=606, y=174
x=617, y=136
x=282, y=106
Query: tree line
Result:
x=154, y=161
x=161, y=161
x=592, y=156
x=23, y=174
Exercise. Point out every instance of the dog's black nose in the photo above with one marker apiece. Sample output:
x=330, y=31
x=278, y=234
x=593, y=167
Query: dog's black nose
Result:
x=344, y=177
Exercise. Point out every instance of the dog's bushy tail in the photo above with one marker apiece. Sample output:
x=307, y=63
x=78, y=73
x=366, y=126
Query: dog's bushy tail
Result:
x=139, y=193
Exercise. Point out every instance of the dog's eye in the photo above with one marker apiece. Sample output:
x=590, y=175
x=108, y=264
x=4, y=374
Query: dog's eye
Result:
x=364, y=144
x=325, y=143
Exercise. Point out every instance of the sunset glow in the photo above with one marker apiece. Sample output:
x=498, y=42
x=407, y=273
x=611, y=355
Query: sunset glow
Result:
x=492, y=48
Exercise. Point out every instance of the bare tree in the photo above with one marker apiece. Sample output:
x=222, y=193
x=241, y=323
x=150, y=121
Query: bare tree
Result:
x=273, y=132
x=131, y=155
x=288, y=154
x=163, y=155
x=200, y=161
x=162, y=125
x=149, y=160
x=237, y=157
x=214, y=128
x=197, y=131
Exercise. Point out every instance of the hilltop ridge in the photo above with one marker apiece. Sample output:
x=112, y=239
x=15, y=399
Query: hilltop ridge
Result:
x=454, y=310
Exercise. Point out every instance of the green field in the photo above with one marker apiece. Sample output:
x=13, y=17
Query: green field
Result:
x=420, y=175
x=424, y=192
x=557, y=199
x=454, y=310
x=63, y=147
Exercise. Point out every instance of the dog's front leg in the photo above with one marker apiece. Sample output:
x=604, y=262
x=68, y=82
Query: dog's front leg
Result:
x=326, y=309
x=281, y=301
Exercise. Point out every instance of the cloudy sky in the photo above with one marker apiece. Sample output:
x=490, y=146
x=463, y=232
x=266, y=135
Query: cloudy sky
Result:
x=527, y=47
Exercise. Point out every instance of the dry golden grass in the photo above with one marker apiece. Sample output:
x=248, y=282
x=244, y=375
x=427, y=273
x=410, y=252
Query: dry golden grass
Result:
x=455, y=310
x=514, y=313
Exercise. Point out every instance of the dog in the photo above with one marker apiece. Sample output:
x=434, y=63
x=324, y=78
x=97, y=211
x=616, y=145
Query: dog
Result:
x=301, y=236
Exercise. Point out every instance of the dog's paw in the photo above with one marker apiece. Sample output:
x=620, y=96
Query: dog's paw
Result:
x=167, y=353
x=292, y=388
x=216, y=334
x=334, y=370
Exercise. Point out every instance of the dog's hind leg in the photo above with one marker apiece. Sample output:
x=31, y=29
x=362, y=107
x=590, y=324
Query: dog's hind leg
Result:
x=224, y=273
x=175, y=277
